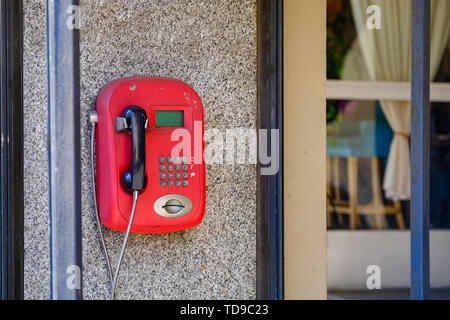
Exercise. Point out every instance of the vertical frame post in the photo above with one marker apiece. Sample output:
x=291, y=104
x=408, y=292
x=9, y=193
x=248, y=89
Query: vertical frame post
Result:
x=64, y=149
x=11, y=153
x=420, y=150
x=270, y=233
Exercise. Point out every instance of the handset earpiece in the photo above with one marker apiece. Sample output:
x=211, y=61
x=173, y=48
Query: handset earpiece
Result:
x=135, y=121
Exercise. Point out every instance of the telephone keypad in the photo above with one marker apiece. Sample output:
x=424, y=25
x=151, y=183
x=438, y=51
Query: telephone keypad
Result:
x=176, y=168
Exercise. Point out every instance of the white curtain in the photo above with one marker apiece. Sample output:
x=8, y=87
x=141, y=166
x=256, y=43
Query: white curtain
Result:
x=354, y=67
x=387, y=55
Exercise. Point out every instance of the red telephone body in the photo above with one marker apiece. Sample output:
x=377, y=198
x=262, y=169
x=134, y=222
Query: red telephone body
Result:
x=113, y=150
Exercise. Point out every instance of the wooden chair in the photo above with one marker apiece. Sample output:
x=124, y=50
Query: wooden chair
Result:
x=353, y=147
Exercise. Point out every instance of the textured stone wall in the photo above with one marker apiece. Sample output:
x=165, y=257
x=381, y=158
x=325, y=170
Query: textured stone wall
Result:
x=209, y=44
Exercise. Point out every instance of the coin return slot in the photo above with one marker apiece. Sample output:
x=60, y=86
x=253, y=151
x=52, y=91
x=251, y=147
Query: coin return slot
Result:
x=174, y=206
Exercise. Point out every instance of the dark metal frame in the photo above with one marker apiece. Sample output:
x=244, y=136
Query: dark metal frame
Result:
x=64, y=150
x=420, y=150
x=270, y=239
x=11, y=157
x=270, y=194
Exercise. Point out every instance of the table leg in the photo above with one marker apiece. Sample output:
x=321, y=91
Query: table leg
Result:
x=352, y=170
x=376, y=194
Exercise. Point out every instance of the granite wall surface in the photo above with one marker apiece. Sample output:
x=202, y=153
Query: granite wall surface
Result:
x=211, y=45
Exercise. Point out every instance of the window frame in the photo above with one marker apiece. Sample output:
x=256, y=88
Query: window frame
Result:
x=382, y=90
x=11, y=155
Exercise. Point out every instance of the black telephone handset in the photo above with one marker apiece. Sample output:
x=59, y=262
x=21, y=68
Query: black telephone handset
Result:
x=135, y=119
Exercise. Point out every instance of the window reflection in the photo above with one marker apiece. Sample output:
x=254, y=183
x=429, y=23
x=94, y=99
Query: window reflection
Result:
x=368, y=141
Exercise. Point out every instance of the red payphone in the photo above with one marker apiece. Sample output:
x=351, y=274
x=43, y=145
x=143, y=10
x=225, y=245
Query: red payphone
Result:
x=173, y=197
x=149, y=146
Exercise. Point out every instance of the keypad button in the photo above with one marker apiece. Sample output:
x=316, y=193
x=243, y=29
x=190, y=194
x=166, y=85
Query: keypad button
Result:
x=162, y=183
x=178, y=183
x=162, y=175
x=177, y=167
x=184, y=159
x=162, y=167
x=169, y=160
x=170, y=175
x=177, y=160
x=177, y=175
x=169, y=167
x=185, y=167
x=185, y=183
x=162, y=159
x=170, y=183
x=185, y=175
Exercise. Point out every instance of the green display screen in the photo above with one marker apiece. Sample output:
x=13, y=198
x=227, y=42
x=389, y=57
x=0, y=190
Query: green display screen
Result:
x=169, y=118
